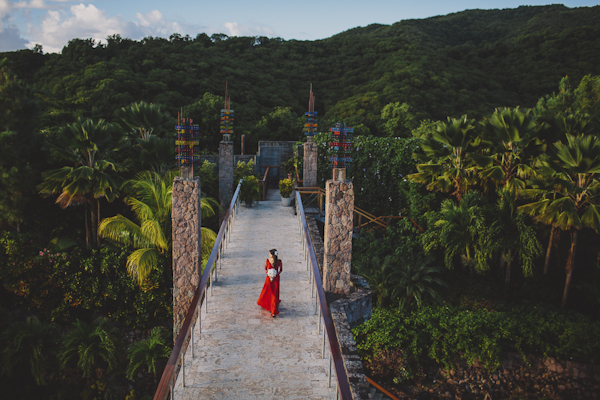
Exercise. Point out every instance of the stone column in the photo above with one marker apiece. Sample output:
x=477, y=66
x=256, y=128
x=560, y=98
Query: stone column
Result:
x=309, y=173
x=187, y=248
x=186, y=172
x=225, y=171
x=339, y=209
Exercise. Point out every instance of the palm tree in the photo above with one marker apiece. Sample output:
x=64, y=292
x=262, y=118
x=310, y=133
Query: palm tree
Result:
x=142, y=120
x=381, y=278
x=417, y=278
x=148, y=353
x=540, y=188
x=570, y=200
x=90, y=343
x=509, y=144
x=460, y=230
x=151, y=202
x=30, y=344
x=157, y=153
x=144, y=126
x=88, y=147
x=446, y=157
x=558, y=123
x=572, y=124
x=401, y=278
x=513, y=236
x=209, y=207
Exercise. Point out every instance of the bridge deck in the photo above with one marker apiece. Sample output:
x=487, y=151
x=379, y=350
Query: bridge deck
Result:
x=244, y=353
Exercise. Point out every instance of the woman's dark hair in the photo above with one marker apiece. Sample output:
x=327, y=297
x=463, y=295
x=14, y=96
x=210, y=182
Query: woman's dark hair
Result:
x=273, y=252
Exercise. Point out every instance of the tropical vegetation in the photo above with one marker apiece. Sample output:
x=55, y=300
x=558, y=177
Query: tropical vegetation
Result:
x=484, y=170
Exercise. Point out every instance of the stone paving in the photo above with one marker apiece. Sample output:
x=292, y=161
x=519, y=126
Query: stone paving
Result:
x=244, y=353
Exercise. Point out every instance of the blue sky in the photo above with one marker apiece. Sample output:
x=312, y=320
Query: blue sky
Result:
x=52, y=23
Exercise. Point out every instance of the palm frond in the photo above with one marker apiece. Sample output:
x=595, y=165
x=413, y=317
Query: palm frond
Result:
x=141, y=262
x=120, y=229
x=152, y=230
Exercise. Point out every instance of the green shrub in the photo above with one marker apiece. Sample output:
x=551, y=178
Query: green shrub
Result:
x=290, y=167
x=250, y=190
x=285, y=188
x=209, y=180
x=446, y=335
x=66, y=285
x=378, y=170
x=243, y=169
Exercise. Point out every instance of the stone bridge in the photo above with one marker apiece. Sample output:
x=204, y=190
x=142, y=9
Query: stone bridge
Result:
x=228, y=347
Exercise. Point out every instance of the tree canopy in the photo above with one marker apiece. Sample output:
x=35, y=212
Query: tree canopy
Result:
x=386, y=77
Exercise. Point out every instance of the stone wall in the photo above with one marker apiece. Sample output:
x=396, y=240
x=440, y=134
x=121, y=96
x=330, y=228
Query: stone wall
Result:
x=309, y=173
x=359, y=304
x=348, y=313
x=187, y=249
x=339, y=210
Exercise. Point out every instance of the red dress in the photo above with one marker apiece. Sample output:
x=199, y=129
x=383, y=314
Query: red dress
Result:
x=269, y=297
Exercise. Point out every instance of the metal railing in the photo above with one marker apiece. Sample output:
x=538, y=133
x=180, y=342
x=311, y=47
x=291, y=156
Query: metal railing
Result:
x=317, y=194
x=381, y=389
x=324, y=315
x=263, y=184
x=204, y=290
x=316, y=197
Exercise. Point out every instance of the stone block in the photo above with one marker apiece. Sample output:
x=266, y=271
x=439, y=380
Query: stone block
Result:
x=186, y=216
x=343, y=311
x=339, y=207
x=225, y=173
x=309, y=173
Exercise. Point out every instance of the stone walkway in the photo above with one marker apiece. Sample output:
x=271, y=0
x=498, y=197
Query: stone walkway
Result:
x=244, y=353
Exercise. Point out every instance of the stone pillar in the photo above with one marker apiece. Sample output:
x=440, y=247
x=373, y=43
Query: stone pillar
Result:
x=225, y=171
x=309, y=173
x=186, y=172
x=339, y=209
x=187, y=247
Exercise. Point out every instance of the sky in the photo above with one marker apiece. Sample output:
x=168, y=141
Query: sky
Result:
x=52, y=23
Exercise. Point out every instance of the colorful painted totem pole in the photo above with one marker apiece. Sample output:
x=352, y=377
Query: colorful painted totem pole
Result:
x=310, y=122
x=341, y=146
x=187, y=146
x=227, y=117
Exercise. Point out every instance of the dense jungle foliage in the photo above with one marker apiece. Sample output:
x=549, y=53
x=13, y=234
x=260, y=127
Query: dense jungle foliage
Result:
x=86, y=159
x=464, y=63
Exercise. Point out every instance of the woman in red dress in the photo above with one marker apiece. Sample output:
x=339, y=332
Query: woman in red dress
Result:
x=269, y=297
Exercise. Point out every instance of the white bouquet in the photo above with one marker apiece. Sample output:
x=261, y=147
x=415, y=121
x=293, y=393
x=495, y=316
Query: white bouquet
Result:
x=271, y=273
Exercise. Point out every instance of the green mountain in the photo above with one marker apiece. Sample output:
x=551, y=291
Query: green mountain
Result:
x=468, y=62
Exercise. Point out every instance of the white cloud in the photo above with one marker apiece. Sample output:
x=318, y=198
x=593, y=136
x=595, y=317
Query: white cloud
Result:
x=53, y=23
x=84, y=22
x=235, y=29
x=10, y=38
x=153, y=23
x=37, y=4
x=87, y=21
x=149, y=18
x=7, y=7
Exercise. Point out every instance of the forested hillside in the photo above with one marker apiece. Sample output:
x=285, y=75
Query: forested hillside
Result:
x=476, y=138
x=469, y=62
